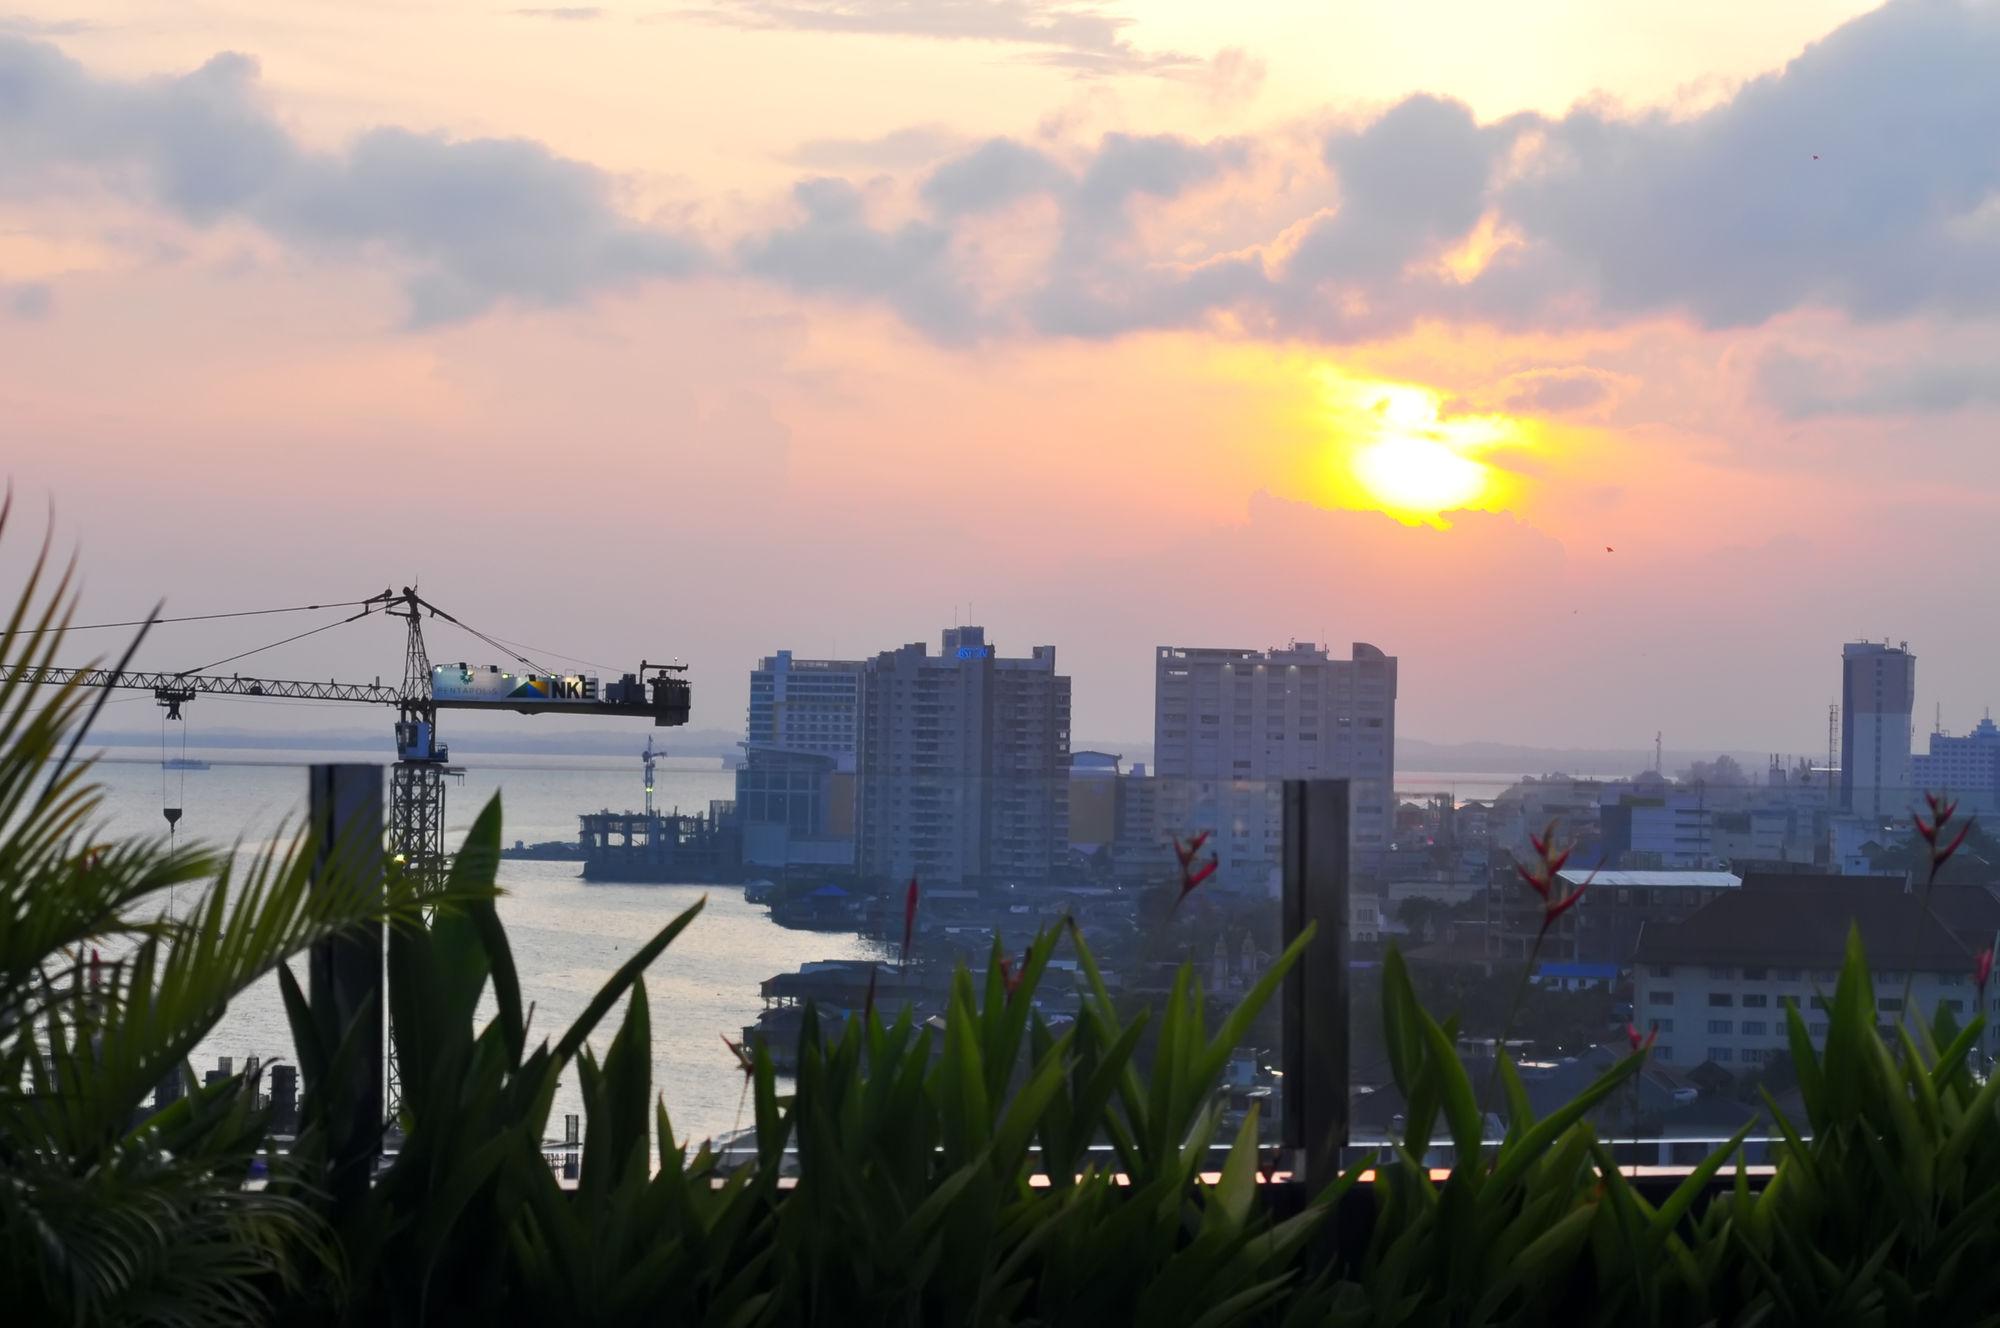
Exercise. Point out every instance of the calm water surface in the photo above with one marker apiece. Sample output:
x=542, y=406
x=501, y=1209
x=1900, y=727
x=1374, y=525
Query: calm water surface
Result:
x=567, y=937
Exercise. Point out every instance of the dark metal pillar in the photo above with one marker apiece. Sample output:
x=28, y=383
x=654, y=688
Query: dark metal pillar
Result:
x=346, y=975
x=1315, y=995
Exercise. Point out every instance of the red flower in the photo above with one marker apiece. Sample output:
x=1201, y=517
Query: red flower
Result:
x=1544, y=875
x=1982, y=972
x=1185, y=852
x=1557, y=907
x=1942, y=812
x=1010, y=977
x=1641, y=1044
x=1191, y=874
x=909, y=917
x=743, y=1060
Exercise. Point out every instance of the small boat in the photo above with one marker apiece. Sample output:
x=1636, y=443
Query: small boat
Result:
x=183, y=763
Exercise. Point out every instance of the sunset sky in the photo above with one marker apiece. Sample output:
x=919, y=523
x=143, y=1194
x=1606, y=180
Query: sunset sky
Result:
x=1609, y=364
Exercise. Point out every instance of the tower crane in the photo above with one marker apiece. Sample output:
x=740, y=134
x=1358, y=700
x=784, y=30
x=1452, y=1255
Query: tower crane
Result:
x=649, y=756
x=416, y=802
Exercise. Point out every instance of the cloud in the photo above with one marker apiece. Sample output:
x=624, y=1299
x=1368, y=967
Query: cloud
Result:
x=1802, y=387
x=1234, y=77
x=996, y=173
x=29, y=301
x=563, y=13
x=1555, y=391
x=1861, y=178
x=917, y=145
x=469, y=223
x=1073, y=34
x=23, y=25
x=833, y=250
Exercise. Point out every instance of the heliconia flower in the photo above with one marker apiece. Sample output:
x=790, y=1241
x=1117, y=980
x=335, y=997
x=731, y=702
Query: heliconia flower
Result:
x=1010, y=977
x=1943, y=855
x=909, y=917
x=1185, y=852
x=1557, y=907
x=743, y=1060
x=1197, y=876
x=1982, y=971
x=1536, y=882
x=1641, y=1044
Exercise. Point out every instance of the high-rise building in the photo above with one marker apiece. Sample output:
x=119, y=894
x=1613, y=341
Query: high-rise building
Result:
x=795, y=788
x=964, y=764
x=1878, y=684
x=806, y=705
x=1229, y=725
x=1967, y=769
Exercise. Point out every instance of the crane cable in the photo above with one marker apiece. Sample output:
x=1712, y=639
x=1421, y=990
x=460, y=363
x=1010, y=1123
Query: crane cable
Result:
x=197, y=617
x=324, y=627
x=500, y=646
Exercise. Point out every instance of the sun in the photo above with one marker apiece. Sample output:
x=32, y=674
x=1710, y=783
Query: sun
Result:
x=1394, y=449
x=1418, y=475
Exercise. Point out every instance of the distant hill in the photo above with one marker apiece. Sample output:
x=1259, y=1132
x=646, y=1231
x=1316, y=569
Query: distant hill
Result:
x=1508, y=758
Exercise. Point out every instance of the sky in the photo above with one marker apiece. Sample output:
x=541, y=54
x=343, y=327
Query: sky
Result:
x=1608, y=364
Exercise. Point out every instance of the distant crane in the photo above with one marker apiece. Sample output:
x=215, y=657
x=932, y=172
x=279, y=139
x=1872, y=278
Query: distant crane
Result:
x=416, y=799
x=649, y=755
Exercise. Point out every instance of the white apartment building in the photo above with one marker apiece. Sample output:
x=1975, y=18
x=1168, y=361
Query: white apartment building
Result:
x=1715, y=984
x=1965, y=768
x=806, y=705
x=1230, y=725
x=1878, y=686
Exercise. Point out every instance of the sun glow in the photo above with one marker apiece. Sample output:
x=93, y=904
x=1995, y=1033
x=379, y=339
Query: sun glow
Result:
x=1396, y=451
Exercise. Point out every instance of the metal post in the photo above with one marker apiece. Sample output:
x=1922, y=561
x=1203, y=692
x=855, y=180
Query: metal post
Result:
x=346, y=974
x=1315, y=996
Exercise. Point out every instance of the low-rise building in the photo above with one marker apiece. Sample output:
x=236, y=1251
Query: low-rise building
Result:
x=1604, y=926
x=1714, y=985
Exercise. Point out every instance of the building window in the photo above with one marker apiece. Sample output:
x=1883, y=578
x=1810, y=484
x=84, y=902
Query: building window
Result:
x=1755, y=1000
x=1663, y=1025
x=1753, y=975
x=1889, y=1004
x=1754, y=1028
x=1719, y=999
x=1753, y=1056
x=1819, y=1003
x=1717, y=972
x=1956, y=1007
x=1719, y=1026
x=1719, y=1054
x=1659, y=997
x=1817, y=1030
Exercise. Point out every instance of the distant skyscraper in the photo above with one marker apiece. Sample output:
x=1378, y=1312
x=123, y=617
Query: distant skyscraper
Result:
x=1878, y=684
x=806, y=705
x=1229, y=724
x=795, y=788
x=1967, y=768
x=964, y=764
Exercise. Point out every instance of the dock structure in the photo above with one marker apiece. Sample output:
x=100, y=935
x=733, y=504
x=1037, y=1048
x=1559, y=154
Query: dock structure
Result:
x=658, y=846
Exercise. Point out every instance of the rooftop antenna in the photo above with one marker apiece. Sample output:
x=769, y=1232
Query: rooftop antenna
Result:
x=1657, y=735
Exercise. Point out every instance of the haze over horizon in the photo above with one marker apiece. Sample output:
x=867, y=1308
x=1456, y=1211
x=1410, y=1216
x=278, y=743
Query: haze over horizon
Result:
x=644, y=333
